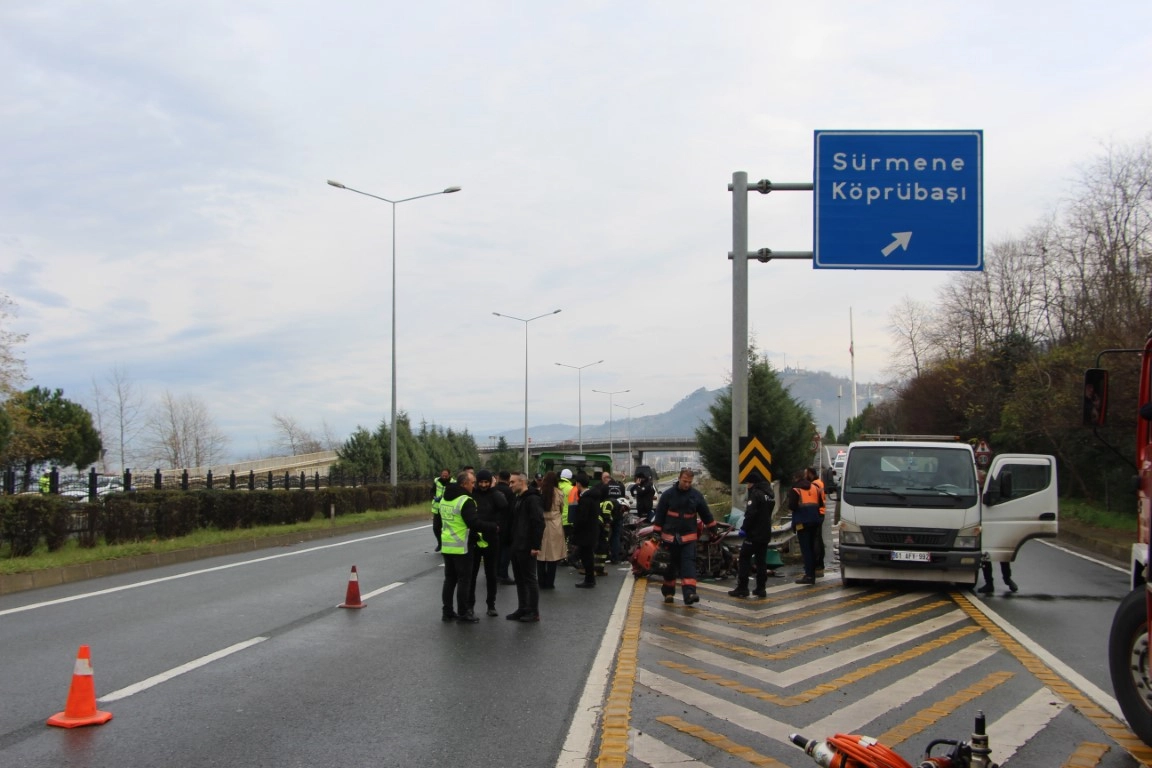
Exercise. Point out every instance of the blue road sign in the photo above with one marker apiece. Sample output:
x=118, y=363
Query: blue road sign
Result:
x=899, y=200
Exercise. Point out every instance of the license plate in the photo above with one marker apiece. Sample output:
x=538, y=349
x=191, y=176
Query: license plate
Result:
x=912, y=557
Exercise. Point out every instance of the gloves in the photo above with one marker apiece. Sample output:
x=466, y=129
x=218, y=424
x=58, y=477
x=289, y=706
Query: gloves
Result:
x=741, y=533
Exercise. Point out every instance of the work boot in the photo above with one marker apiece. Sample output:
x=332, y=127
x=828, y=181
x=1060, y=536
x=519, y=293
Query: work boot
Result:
x=516, y=614
x=469, y=618
x=1011, y=584
x=760, y=592
x=669, y=594
x=448, y=616
x=805, y=580
x=690, y=598
x=987, y=589
x=738, y=592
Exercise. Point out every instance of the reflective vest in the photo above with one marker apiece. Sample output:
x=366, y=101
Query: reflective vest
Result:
x=566, y=494
x=437, y=494
x=818, y=483
x=808, y=510
x=453, y=529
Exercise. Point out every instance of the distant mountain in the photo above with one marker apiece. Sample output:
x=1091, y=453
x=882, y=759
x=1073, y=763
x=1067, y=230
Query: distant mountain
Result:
x=829, y=397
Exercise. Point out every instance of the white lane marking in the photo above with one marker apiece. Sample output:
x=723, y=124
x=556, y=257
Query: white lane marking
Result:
x=577, y=749
x=822, y=665
x=715, y=706
x=144, y=685
x=848, y=720
x=768, y=638
x=1024, y=721
x=1072, y=676
x=1082, y=556
x=851, y=718
x=657, y=754
x=150, y=582
x=382, y=590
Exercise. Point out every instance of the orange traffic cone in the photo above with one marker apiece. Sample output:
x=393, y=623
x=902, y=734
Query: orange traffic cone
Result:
x=81, y=706
x=352, y=597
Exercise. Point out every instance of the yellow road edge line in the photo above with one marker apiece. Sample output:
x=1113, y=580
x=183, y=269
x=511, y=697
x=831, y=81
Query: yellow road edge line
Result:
x=616, y=719
x=1087, y=755
x=934, y=712
x=1117, y=730
x=815, y=643
x=718, y=741
x=833, y=685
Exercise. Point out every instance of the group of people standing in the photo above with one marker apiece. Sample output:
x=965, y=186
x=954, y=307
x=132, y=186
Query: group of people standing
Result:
x=532, y=526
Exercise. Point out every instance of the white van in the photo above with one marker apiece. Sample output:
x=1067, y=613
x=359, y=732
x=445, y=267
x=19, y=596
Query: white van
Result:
x=913, y=510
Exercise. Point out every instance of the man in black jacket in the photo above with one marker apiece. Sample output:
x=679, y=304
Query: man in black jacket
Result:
x=614, y=490
x=645, y=493
x=491, y=508
x=757, y=533
x=526, y=535
x=585, y=521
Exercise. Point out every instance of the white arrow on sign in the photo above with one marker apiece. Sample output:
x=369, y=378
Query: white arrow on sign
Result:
x=901, y=241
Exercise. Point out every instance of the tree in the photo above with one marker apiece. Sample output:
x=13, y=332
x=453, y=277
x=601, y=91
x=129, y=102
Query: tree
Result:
x=504, y=457
x=829, y=436
x=293, y=438
x=782, y=424
x=183, y=434
x=361, y=455
x=119, y=407
x=11, y=365
x=48, y=428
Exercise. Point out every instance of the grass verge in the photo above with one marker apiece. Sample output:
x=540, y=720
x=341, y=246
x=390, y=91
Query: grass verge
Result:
x=1097, y=516
x=72, y=554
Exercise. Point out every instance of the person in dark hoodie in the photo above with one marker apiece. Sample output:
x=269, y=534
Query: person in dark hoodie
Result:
x=678, y=512
x=525, y=541
x=806, y=500
x=756, y=530
x=491, y=507
x=503, y=484
x=458, y=516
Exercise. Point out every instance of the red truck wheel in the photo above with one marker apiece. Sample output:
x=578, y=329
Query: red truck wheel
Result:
x=1128, y=663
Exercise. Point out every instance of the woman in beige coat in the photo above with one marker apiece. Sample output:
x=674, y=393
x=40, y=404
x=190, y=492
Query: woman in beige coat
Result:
x=553, y=549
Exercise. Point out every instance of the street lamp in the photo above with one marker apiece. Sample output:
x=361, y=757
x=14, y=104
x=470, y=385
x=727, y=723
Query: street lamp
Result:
x=610, y=395
x=629, y=409
x=393, y=203
x=511, y=317
x=579, y=397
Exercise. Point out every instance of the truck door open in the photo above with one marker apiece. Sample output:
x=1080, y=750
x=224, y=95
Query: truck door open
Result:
x=1020, y=503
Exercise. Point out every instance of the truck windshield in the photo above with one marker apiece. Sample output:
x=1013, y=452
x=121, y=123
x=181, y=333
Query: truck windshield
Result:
x=943, y=473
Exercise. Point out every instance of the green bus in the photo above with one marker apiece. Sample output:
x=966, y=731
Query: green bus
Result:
x=591, y=464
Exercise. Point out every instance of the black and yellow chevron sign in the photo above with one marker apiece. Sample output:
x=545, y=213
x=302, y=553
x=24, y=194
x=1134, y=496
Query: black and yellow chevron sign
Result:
x=754, y=457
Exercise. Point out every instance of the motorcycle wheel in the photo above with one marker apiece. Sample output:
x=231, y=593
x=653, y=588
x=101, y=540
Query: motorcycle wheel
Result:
x=1128, y=663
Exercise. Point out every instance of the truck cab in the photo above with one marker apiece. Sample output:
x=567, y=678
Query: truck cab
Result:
x=915, y=510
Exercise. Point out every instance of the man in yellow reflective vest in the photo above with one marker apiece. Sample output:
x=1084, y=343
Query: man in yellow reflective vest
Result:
x=564, y=485
x=458, y=516
x=438, y=486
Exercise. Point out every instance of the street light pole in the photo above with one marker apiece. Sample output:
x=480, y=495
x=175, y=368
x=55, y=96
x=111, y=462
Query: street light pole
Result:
x=611, y=445
x=580, y=397
x=629, y=409
x=392, y=429
x=530, y=319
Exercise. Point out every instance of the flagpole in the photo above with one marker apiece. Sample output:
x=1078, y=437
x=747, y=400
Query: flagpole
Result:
x=852, y=354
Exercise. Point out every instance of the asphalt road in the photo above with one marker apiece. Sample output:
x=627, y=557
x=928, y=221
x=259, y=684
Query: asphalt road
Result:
x=246, y=660
x=283, y=677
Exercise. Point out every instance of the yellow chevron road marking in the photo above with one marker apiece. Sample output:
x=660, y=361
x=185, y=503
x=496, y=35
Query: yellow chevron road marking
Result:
x=726, y=618
x=1087, y=755
x=1102, y=719
x=815, y=643
x=721, y=742
x=942, y=708
x=817, y=691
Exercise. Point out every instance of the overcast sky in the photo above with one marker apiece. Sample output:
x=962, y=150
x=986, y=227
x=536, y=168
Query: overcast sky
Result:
x=164, y=205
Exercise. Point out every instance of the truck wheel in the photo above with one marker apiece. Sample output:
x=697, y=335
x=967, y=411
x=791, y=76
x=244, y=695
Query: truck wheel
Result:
x=845, y=581
x=1128, y=663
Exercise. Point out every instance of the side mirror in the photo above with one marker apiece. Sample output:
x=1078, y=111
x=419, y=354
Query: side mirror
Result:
x=1095, y=397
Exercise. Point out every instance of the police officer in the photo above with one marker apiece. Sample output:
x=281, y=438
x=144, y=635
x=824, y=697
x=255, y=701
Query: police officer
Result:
x=756, y=531
x=614, y=490
x=677, y=513
x=457, y=513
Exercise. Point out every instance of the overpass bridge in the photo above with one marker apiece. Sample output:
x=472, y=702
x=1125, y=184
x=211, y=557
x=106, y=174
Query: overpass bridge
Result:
x=638, y=447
